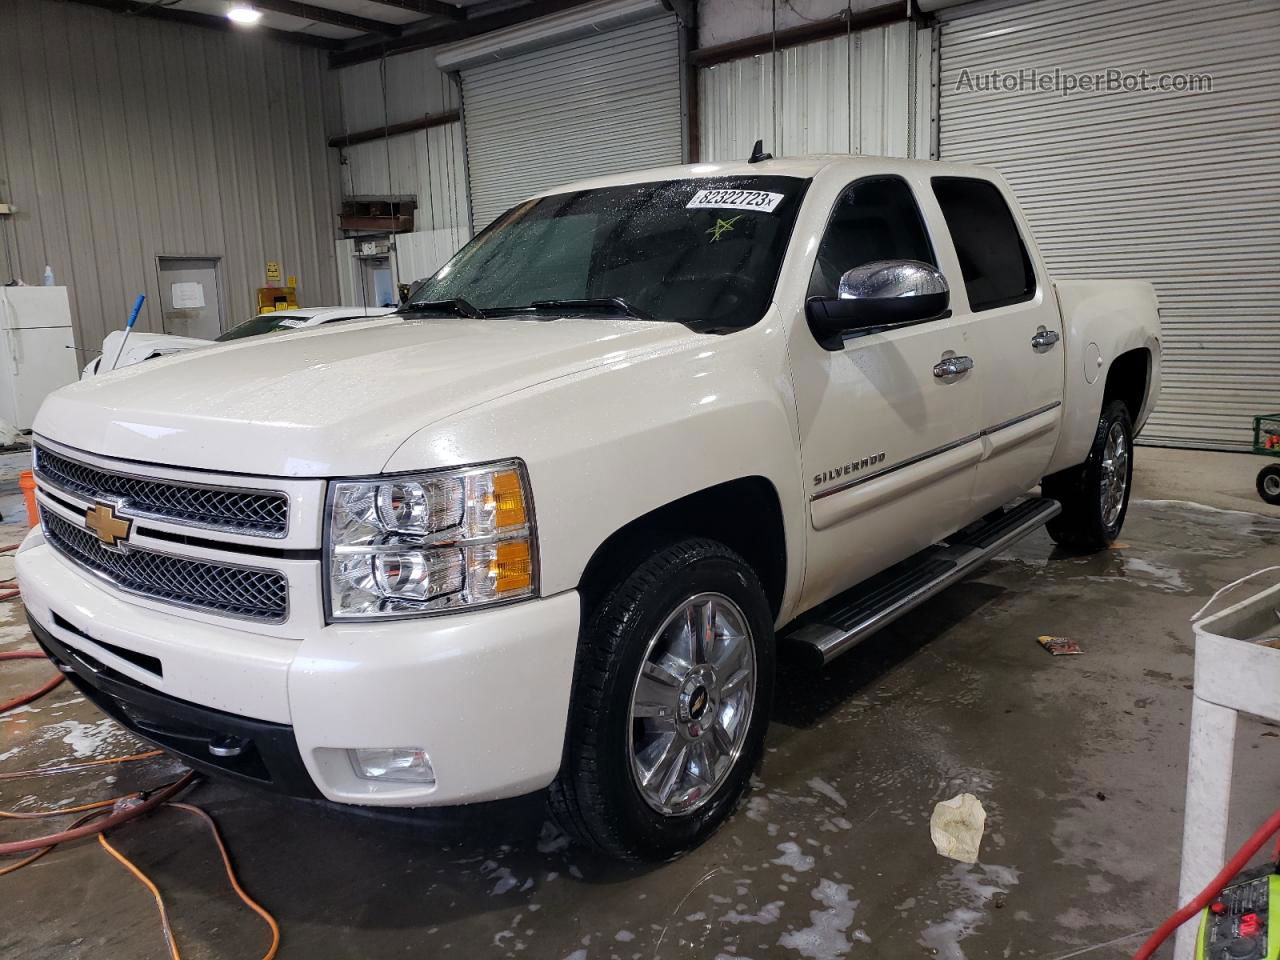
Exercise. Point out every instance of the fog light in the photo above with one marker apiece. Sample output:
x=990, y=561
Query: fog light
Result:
x=402, y=764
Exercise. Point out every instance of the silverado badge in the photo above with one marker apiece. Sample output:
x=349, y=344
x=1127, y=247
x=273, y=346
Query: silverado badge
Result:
x=102, y=520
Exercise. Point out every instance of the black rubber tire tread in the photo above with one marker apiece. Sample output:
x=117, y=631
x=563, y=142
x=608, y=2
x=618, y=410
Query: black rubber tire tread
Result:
x=1079, y=526
x=1271, y=470
x=583, y=798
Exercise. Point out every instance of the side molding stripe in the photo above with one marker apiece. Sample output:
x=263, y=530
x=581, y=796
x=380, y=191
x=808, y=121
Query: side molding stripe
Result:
x=986, y=432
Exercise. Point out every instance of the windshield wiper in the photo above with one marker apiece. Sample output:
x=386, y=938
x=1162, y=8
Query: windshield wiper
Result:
x=611, y=304
x=457, y=306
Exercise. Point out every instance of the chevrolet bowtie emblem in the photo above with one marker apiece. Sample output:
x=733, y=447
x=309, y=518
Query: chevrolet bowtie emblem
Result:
x=103, y=521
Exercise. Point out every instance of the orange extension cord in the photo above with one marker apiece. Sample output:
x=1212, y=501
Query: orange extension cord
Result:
x=112, y=813
x=26, y=655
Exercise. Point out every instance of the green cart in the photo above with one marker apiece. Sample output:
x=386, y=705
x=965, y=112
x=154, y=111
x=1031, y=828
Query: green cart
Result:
x=1266, y=441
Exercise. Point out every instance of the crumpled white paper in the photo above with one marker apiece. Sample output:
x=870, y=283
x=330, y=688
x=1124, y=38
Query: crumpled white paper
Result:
x=956, y=827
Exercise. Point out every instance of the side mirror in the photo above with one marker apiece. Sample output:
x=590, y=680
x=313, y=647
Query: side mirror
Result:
x=879, y=296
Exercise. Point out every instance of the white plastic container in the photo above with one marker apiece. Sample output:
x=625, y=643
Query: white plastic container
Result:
x=1234, y=674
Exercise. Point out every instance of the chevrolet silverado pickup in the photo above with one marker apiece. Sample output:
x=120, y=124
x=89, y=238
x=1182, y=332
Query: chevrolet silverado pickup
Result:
x=548, y=527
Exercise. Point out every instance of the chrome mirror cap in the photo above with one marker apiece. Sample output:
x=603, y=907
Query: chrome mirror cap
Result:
x=890, y=279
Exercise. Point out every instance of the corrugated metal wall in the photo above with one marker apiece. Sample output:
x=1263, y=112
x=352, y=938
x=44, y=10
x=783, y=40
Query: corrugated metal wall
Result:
x=414, y=87
x=427, y=164
x=865, y=92
x=1182, y=189
x=123, y=138
x=587, y=107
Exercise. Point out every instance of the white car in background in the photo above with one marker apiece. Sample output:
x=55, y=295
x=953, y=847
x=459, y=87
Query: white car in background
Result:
x=147, y=346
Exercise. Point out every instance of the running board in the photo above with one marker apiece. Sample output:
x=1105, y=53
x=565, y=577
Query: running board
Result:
x=839, y=624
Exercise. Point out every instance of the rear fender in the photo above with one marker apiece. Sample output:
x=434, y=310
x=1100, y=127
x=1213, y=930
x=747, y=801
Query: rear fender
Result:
x=1101, y=320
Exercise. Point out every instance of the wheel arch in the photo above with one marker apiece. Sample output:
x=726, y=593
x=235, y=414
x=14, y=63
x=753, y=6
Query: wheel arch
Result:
x=1111, y=330
x=1129, y=381
x=745, y=514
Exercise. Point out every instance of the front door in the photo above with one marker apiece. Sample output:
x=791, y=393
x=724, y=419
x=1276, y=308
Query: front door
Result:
x=1019, y=337
x=889, y=447
x=190, y=304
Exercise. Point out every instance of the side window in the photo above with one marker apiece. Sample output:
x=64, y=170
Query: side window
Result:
x=874, y=219
x=993, y=258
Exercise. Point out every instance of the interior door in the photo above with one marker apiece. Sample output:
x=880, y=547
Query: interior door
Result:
x=1019, y=335
x=889, y=448
x=190, y=303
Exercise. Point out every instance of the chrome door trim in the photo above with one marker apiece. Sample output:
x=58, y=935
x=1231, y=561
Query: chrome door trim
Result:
x=1021, y=417
x=986, y=431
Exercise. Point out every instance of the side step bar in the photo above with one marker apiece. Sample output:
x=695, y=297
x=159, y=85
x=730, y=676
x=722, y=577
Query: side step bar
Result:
x=839, y=624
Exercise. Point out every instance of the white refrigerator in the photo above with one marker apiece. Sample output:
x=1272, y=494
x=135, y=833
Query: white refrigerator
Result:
x=38, y=350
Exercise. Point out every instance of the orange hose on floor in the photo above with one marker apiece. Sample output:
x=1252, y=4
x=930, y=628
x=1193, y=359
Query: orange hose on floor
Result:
x=85, y=765
x=170, y=939
x=112, y=820
x=35, y=694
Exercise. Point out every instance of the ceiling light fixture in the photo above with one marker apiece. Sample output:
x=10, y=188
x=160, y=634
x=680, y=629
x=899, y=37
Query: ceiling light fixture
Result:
x=244, y=15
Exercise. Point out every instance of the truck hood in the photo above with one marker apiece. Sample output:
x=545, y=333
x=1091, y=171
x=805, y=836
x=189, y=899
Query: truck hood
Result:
x=333, y=401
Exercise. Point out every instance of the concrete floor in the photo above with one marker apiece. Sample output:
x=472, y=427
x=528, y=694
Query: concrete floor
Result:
x=1079, y=762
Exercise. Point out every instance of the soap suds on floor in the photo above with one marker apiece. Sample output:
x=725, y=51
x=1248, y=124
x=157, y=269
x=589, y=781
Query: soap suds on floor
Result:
x=827, y=937
x=793, y=857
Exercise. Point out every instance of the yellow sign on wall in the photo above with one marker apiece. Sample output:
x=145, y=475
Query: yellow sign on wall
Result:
x=273, y=271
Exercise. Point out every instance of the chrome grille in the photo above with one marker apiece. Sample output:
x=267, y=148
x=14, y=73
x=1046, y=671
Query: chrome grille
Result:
x=216, y=508
x=243, y=592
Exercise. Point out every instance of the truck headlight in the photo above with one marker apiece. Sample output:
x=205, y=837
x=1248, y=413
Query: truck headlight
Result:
x=423, y=543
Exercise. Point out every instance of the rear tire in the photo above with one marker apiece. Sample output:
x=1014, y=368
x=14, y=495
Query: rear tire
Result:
x=1269, y=484
x=624, y=788
x=1095, y=494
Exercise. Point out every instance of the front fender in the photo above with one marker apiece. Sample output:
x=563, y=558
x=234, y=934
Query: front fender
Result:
x=610, y=444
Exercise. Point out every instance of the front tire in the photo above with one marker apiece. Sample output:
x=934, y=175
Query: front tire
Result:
x=1095, y=494
x=1269, y=484
x=670, y=704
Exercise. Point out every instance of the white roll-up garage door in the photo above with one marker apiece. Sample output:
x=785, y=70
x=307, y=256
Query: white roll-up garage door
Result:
x=583, y=108
x=1177, y=186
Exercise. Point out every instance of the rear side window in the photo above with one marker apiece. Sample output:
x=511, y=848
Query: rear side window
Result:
x=993, y=260
x=875, y=219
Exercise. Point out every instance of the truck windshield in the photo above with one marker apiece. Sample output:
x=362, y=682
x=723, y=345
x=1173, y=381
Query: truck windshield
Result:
x=693, y=251
x=263, y=323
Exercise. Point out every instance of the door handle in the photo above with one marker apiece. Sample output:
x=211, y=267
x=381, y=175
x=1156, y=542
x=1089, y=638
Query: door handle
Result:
x=952, y=367
x=1044, y=339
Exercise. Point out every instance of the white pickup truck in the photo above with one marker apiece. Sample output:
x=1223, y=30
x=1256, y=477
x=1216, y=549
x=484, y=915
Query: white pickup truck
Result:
x=546, y=527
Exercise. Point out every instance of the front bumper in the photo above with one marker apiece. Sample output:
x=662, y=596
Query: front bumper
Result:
x=486, y=694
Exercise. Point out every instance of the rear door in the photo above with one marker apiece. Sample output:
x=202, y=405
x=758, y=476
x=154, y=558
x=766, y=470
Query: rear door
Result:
x=888, y=447
x=1013, y=313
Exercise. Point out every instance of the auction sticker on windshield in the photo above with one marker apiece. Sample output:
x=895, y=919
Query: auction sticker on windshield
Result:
x=735, y=200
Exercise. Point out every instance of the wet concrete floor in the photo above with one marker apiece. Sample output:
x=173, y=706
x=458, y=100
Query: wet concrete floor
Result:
x=1079, y=761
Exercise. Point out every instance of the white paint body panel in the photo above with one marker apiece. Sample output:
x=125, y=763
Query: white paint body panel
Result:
x=142, y=346
x=462, y=687
x=614, y=418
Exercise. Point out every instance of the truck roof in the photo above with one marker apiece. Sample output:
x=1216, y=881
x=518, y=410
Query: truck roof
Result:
x=806, y=167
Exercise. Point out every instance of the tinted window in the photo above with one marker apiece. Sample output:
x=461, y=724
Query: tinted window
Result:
x=993, y=260
x=874, y=219
x=683, y=250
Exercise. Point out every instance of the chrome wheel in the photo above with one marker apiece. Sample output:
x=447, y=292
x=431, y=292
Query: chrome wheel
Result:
x=691, y=704
x=1271, y=484
x=1115, y=474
